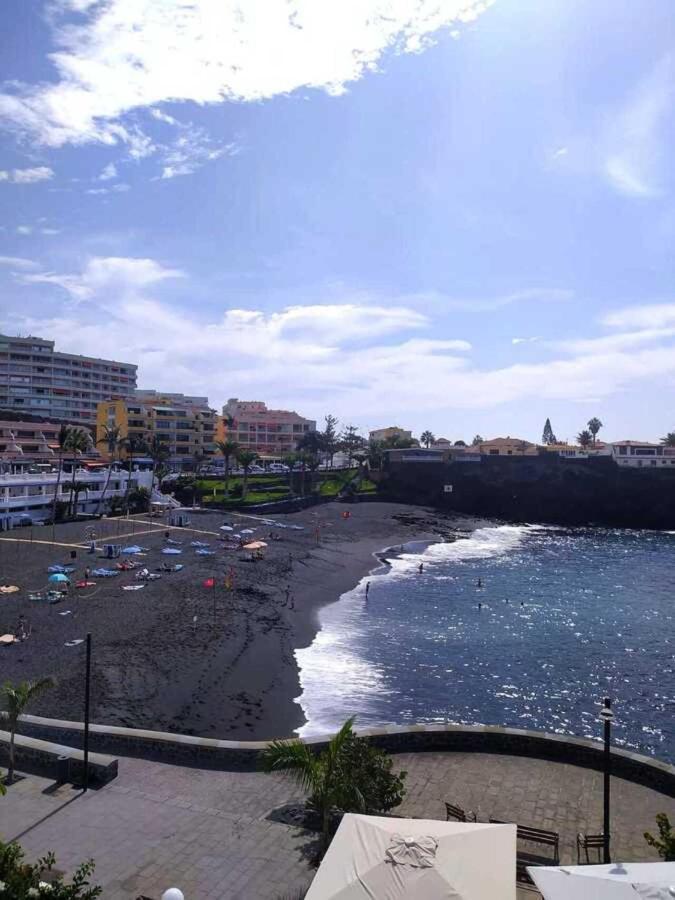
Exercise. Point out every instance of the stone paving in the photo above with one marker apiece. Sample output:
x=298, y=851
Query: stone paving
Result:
x=210, y=834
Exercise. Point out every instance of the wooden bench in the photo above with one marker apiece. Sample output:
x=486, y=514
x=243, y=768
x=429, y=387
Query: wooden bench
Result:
x=586, y=842
x=458, y=814
x=530, y=857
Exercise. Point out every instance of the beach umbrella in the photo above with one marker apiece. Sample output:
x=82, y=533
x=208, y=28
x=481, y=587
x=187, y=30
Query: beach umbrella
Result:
x=632, y=881
x=255, y=545
x=247, y=530
x=226, y=528
x=58, y=576
x=375, y=857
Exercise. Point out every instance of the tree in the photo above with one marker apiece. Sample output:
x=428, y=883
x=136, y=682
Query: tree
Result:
x=351, y=442
x=329, y=438
x=112, y=438
x=79, y=441
x=198, y=463
x=548, y=437
x=348, y=775
x=246, y=458
x=139, y=499
x=16, y=698
x=477, y=440
x=312, y=461
x=63, y=439
x=133, y=444
x=159, y=451
x=427, y=438
x=228, y=449
x=375, y=454
x=460, y=443
x=665, y=842
x=669, y=439
x=594, y=426
x=584, y=438
x=310, y=442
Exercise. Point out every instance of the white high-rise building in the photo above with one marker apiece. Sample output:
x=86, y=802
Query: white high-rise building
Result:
x=39, y=380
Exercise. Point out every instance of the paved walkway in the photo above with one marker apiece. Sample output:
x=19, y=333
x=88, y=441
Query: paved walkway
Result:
x=210, y=834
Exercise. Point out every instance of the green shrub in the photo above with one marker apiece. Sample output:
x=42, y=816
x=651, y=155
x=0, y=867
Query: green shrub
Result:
x=665, y=842
x=23, y=881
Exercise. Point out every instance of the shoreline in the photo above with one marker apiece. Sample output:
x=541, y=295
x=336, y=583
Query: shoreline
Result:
x=179, y=656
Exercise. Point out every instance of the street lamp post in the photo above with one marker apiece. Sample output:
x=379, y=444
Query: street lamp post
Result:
x=606, y=715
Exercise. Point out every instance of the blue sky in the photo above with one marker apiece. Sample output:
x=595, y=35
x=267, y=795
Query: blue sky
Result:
x=454, y=216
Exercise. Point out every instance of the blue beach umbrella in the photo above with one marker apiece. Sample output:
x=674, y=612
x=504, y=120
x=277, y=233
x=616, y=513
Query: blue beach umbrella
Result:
x=58, y=576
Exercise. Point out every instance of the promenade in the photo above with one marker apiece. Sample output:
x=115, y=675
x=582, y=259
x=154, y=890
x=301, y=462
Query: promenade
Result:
x=214, y=834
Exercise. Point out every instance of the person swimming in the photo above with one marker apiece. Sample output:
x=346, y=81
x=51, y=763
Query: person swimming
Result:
x=421, y=568
x=479, y=583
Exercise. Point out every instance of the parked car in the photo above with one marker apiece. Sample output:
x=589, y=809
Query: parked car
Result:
x=277, y=468
x=256, y=470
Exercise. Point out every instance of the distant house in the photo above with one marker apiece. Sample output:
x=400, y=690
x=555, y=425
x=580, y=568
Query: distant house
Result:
x=385, y=434
x=442, y=444
x=567, y=451
x=507, y=446
x=639, y=454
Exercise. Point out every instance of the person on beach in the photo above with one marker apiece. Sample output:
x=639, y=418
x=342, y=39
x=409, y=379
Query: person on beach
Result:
x=367, y=588
x=421, y=568
x=480, y=606
x=479, y=583
x=287, y=594
x=86, y=573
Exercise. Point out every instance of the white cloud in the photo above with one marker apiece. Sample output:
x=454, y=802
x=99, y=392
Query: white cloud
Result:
x=347, y=355
x=633, y=146
x=50, y=231
x=108, y=172
x=124, y=55
x=24, y=229
x=524, y=340
x=18, y=262
x=486, y=304
x=191, y=150
x=656, y=315
x=103, y=274
x=119, y=188
x=27, y=176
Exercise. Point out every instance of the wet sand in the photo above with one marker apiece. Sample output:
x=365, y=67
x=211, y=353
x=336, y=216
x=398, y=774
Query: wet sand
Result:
x=232, y=675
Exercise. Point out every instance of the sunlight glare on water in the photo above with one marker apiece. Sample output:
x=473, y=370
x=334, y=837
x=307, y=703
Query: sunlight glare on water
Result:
x=567, y=617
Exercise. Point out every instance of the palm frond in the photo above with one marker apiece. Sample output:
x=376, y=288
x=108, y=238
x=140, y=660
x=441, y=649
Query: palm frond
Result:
x=295, y=758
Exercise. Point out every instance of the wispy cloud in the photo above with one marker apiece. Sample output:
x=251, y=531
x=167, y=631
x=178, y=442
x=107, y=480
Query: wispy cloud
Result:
x=633, y=144
x=119, y=188
x=654, y=315
x=114, y=57
x=18, y=262
x=498, y=301
x=24, y=229
x=26, y=176
x=363, y=355
x=525, y=340
x=108, y=173
x=192, y=149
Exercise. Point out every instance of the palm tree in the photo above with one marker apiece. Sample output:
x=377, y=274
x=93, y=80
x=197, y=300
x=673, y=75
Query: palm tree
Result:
x=669, y=439
x=229, y=449
x=477, y=440
x=16, y=698
x=594, y=426
x=158, y=451
x=584, y=438
x=79, y=442
x=63, y=439
x=427, y=438
x=313, y=461
x=133, y=444
x=246, y=458
x=321, y=775
x=114, y=442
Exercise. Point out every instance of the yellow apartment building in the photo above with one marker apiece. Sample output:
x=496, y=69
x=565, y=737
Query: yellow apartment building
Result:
x=185, y=424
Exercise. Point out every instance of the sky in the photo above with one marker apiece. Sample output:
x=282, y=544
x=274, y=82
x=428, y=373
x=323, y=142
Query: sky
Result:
x=456, y=216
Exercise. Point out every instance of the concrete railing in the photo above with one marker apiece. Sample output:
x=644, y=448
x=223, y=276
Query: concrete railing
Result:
x=42, y=757
x=222, y=754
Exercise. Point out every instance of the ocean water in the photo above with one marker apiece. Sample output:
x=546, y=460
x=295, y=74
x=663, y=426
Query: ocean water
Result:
x=567, y=617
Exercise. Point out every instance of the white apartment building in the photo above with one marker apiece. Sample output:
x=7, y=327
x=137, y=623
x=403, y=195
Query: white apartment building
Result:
x=29, y=497
x=639, y=454
x=37, y=379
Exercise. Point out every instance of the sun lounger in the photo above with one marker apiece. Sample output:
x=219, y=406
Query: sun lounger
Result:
x=133, y=587
x=37, y=595
x=171, y=551
x=205, y=552
x=198, y=544
x=60, y=570
x=105, y=573
x=9, y=589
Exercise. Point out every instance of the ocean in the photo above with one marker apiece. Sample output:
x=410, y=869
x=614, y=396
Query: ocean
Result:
x=566, y=617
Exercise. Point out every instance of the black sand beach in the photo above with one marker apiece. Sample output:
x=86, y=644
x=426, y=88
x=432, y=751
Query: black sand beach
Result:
x=233, y=673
